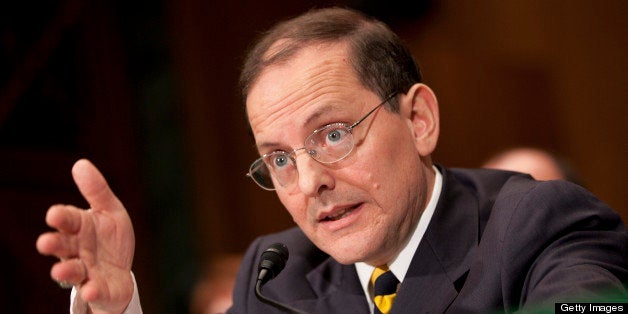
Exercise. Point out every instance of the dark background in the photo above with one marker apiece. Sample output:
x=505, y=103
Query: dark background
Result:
x=146, y=90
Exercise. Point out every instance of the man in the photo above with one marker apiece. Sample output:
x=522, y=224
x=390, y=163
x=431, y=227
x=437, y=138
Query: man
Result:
x=540, y=164
x=346, y=129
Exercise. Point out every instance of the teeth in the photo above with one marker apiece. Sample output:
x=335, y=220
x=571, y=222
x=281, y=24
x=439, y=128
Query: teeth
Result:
x=339, y=215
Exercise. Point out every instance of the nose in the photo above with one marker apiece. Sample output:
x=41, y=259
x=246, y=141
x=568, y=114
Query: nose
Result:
x=314, y=177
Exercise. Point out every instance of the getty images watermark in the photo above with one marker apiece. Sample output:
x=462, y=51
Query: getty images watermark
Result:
x=591, y=307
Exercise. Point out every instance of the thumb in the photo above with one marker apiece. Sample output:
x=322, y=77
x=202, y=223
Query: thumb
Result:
x=93, y=186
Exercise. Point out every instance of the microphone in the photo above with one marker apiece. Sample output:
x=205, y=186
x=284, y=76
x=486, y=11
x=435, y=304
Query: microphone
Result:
x=272, y=262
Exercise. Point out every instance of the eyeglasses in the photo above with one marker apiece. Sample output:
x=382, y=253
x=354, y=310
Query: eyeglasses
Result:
x=328, y=144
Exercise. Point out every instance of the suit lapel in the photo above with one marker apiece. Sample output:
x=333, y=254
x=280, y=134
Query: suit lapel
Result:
x=337, y=289
x=442, y=260
x=436, y=274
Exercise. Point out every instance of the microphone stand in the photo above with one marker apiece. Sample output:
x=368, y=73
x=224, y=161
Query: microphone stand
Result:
x=283, y=307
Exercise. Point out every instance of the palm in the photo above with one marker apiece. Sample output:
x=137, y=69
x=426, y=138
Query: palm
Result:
x=107, y=253
x=111, y=245
x=96, y=245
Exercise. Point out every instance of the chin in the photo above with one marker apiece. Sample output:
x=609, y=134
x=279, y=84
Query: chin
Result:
x=345, y=259
x=349, y=251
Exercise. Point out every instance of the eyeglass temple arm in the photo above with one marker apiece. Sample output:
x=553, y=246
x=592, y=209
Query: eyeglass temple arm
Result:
x=372, y=110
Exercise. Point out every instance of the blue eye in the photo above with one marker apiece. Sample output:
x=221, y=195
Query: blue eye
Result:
x=280, y=161
x=335, y=136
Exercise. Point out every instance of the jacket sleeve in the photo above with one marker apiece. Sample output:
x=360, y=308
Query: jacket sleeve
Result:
x=572, y=246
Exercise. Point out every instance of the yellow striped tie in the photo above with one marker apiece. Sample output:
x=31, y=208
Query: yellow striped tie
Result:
x=384, y=288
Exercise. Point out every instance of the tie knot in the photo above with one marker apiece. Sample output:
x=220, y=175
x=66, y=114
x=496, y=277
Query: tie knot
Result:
x=384, y=281
x=384, y=289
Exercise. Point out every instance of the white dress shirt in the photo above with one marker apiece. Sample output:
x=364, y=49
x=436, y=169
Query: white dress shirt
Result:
x=78, y=306
x=399, y=266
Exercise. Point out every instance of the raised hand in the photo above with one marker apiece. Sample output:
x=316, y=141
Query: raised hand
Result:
x=95, y=246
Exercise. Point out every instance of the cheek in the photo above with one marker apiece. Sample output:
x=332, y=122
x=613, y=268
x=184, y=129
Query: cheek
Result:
x=389, y=162
x=296, y=206
x=371, y=177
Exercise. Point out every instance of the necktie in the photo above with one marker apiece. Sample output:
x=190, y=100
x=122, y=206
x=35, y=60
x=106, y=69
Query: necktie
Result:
x=384, y=288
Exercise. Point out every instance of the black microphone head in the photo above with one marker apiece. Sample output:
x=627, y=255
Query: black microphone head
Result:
x=273, y=259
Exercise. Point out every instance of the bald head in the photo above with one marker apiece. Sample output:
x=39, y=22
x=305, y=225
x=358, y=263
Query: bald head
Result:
x=538, y=163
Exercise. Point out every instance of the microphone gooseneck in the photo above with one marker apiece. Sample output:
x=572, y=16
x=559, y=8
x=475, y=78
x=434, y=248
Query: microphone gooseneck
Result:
x=271, y=263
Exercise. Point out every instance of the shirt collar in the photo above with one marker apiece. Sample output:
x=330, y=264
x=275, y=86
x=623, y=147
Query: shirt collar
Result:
x=401, y=264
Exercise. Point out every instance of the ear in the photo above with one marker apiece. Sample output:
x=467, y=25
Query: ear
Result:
x=420, y=107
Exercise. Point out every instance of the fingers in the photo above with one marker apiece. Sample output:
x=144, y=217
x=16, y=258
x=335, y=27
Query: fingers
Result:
x=94, y=187
x=67, y=220
x=57, y=244
x=64, y=218
x=69, y=272
x=110, y=294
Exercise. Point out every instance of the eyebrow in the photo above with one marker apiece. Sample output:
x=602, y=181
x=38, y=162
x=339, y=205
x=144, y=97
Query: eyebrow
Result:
x=321, y=111
x=264, y=145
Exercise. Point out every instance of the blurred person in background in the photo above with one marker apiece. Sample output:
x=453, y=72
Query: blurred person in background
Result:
x=212, y=293
x=540, y=164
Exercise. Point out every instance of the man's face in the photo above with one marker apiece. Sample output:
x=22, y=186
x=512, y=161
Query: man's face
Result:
x=364, y=207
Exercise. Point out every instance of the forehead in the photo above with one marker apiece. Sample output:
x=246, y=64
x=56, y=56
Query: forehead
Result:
x=317, y=79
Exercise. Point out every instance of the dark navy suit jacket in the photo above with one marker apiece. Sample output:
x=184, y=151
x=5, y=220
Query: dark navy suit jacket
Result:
x=498, y=241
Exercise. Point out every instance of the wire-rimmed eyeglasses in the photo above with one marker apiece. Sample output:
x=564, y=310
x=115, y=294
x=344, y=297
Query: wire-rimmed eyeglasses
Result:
x=328, y=144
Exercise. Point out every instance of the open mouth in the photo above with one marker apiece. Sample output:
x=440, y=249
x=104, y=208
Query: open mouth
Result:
x=340, y=214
